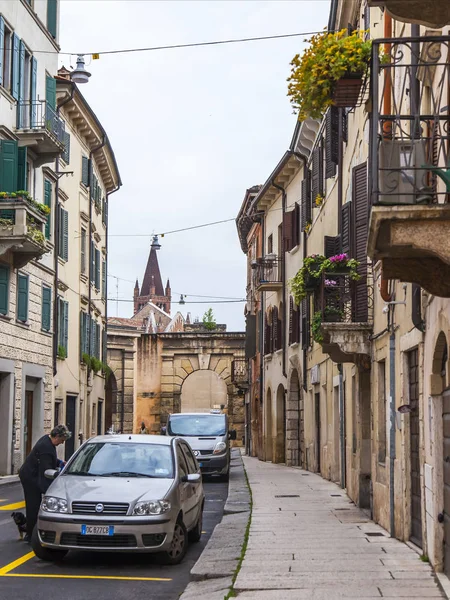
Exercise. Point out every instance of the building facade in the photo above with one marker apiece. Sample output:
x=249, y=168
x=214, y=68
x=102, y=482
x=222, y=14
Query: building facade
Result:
x=364, y=392
x=87, y=176
x=32, y=137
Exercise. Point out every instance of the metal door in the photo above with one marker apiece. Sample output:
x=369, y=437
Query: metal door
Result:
x=416, y=502
x=446, y=457
x=71, y=410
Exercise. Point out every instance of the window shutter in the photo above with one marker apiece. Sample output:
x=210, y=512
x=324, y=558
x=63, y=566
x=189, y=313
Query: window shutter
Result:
x=296, y=226
x=305, y=320
x=306, y=200
x=83, y=250
x=85, y=170
x=361, y=225
x=288, y=224
x=22, y=298
x=8, y=166
x=33, y=92
x=346, y=228
x=280, y=328
x=317, y=174
x=50, y=92
x=93, y=329
x=266, y=336
x=65, y=215
x=15, y=67
x=296, y=324
x=105, y=347
x=103, y=210
x=52, y=8
x=4, y=289
x=81, y=334
x=291, y=320
x=345, y=125
x=48, y=202
x=2, y=45
x=97, y=340
x=104, y=279
x=66, y=152
x=20, y=108
x=92, y=263
x=46, y=308
x=87, y=333
x=22, y=170
x=331, y=141
x=274, y=329
x=332, y=245
x=97, y=269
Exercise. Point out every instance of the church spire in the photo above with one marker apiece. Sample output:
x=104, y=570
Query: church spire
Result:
x=152, y=273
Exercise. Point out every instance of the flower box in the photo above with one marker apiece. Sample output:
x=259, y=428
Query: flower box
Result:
x=347, y=90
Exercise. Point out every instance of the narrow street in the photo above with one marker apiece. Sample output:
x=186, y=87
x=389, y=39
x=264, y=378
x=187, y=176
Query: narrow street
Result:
x=106, y=576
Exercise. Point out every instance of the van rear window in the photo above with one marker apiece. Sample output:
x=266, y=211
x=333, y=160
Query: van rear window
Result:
x=197, y=425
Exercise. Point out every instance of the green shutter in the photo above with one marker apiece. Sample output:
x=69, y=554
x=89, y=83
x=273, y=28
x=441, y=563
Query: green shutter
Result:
x=2, y=45
x=15, y=67
x=4, y=289
x=85, y=170
x=93, y=330
x=65, y=239
x=22, y=168
x=104, y=347
x=46, y=308
x=97, y=269
x=8, y=166
x=21, y=116
x=66, y=328
x=52, y=13
x=92, y=263
x=103, y=279
x=66, y=153
x=22, y=298
x=97, y=340
x=50, y=92
x=87, y=333
x=48, y=202
x=33, y=92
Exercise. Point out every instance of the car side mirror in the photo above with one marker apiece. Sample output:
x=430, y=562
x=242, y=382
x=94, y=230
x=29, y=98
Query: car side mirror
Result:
x=232, y=434
x=51, y=473
x=192, y=478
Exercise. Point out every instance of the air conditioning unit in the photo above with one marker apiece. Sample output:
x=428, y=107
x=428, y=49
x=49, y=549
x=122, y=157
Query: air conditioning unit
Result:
x=402, y=178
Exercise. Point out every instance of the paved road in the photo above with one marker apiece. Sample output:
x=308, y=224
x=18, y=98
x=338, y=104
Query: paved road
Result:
x=82, y=576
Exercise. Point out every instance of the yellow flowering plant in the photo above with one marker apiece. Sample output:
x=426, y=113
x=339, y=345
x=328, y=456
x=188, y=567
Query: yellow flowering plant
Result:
x=329, y=58
x=319, y=200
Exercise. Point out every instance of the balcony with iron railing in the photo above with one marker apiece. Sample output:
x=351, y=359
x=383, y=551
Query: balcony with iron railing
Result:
x=343, y=316
x=239, y=372
x=267, y=273
x=21, y=231
x=431, y=13
x=410, y=161
x=41, y=128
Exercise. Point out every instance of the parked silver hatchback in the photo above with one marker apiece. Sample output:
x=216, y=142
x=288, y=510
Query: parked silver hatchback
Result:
x=134, y=493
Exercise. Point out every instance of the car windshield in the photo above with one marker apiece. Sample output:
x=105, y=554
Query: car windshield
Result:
x=197, y=425
x=115, y=459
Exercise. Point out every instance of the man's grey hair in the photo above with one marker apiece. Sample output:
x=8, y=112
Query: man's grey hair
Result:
x=61, y=431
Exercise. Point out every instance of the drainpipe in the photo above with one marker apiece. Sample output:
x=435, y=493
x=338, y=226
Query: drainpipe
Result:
x=122, y=405
x=283, y=271
x=342, y=426
x=392, y=429
x=340, y=171
x=56, y=246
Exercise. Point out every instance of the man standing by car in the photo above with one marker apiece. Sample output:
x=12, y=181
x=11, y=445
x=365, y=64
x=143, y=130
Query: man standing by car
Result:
x=31, y=474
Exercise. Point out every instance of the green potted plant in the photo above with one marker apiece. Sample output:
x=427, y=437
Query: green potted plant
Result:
x=333, y=314
x=329, y=72
x=62, y=352
x=316, y=327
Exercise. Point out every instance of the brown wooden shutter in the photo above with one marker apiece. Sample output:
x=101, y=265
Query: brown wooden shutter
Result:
x=360, y=232
x=344, y=125
x=331, y=141
x=346, y=228
x=317, y=174
x=332, y=245
x=305, y=320
x=274, y=329
x=280, y=328
x=296, y=325
x=296, y=225
x=266, y=335
x=288, y=219
x=306, y=215
x=291, y=320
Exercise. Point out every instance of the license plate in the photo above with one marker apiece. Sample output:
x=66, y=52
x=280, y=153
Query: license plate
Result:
x=97, y=530
x=200, y=464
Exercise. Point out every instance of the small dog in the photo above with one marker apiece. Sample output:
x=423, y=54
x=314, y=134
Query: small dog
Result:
x=21, y=522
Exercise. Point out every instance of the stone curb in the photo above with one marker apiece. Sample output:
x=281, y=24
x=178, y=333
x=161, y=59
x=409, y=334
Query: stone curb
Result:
x=212, y=574
x=9, y=479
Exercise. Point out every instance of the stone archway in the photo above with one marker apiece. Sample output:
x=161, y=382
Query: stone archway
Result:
x=202, y=391
x=268, y=426
x=279, y=450
x=295, y=433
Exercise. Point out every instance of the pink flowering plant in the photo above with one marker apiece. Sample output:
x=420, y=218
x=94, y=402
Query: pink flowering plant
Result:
x=308, y=276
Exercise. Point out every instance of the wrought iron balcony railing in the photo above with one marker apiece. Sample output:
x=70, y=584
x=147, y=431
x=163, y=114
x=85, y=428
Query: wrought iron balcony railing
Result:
x=40, y=115
x=410, y=132
x=268, y=273
x=239, y=371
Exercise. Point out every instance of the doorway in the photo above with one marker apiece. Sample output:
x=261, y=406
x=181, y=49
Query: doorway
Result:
x=280, y=446
x=269, y=440
x=446, y=470
x=416, y=504
x=28, y=423
x=318, y=438
x=71, y=413
x=100, y=418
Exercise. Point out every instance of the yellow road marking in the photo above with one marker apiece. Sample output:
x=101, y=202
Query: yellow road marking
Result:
x=51, y=576
x=14, y=506
x=16, y=563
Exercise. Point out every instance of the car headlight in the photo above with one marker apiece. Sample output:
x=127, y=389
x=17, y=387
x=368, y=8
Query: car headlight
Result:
x=54, y=505
x=220, y=447
x=154, y=507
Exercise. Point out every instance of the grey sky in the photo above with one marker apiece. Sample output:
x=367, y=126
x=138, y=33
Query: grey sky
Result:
x=191, y=129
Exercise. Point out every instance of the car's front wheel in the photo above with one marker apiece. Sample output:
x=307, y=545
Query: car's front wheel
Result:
x=178, y=547
x=47, y=554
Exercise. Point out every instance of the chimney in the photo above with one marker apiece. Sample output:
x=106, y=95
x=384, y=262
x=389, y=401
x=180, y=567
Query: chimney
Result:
x=136, y=296
x=63, y=73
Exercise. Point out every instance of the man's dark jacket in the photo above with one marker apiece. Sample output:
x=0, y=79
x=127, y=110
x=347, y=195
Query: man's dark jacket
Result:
x=42, y=457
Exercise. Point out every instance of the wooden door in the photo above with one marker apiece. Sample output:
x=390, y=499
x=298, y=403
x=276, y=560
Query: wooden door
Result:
x=446, y=470
x=28, y=425
x=416, y=503
x=318, y=434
